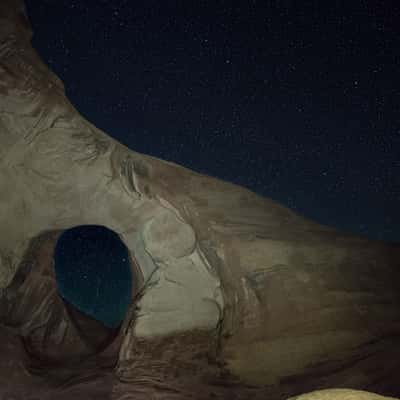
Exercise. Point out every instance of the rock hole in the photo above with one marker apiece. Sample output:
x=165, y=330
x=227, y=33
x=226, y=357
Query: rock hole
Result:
x=93, y=273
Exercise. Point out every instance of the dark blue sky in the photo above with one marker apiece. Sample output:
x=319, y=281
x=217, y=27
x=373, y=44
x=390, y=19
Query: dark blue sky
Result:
x=298, y=101
x=93, y=272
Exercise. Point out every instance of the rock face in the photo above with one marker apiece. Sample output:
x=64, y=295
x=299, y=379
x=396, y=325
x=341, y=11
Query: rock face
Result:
x=340, y=394
x=237, y=296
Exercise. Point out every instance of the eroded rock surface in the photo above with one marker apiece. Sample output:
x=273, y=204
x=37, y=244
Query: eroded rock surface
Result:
x=238, y=296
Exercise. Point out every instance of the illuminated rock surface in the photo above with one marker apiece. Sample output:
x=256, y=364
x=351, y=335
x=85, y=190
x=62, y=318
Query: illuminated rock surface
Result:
x=340, y=394
x=235, y=295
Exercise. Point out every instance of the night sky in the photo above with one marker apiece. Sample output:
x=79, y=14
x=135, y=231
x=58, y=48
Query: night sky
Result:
x=93, y=272
x=297, y=100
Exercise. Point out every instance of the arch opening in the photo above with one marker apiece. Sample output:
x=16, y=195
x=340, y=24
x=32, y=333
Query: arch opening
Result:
x=93, y=273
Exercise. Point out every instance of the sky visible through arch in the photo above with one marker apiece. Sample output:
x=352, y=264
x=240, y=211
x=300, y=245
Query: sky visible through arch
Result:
x=298, y=101
x=93, y=272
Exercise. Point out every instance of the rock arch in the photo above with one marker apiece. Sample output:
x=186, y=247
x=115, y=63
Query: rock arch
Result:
x=289, y=305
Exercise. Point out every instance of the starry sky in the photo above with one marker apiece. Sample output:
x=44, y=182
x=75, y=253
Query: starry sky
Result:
x=296, y=100
x=93, y=272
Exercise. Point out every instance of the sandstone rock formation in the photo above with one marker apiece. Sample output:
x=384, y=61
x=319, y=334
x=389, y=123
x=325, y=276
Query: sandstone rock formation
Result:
x=237, y=296
x=340, y=394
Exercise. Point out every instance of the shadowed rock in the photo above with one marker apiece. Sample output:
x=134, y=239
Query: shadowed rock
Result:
x=236, y=296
